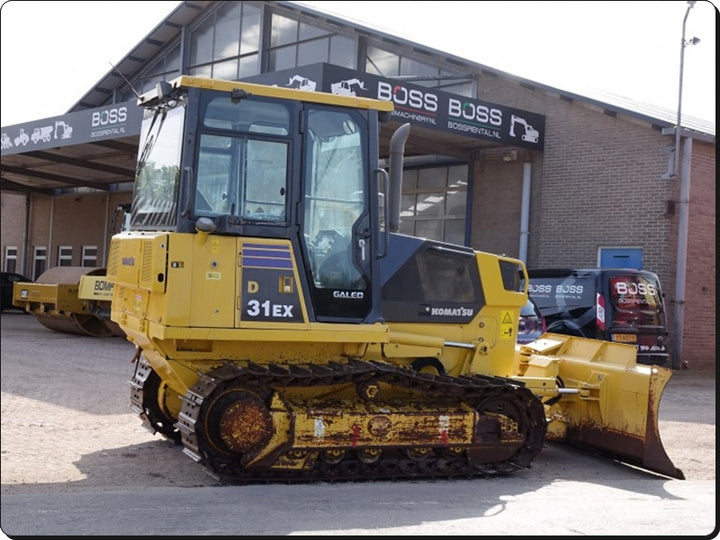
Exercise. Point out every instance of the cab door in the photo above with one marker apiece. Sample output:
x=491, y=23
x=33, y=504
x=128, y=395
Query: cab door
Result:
x=336, y=225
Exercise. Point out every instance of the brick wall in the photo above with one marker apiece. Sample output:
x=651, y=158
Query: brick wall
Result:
x=497, y=189
x=700, y=312
x=12, y=212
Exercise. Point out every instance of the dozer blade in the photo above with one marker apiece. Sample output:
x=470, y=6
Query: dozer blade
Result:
x=607, y=402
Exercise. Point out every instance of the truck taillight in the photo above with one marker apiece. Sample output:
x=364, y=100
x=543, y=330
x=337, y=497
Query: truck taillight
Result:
x=600, y=311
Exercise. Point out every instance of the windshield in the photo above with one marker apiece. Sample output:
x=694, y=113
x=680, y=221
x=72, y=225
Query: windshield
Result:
x=158, y=172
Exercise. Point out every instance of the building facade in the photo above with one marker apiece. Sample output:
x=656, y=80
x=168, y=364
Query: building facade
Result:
x=494, y=161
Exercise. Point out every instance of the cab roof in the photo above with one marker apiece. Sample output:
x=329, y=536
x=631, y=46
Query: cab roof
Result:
x=264, y=90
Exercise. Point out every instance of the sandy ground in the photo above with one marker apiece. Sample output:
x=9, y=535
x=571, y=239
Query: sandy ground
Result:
x=67, y=424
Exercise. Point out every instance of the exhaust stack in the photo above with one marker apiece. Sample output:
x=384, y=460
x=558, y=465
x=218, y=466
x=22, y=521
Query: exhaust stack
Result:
x=397, y=153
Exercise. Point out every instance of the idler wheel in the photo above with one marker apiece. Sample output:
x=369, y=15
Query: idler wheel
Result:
x=451, y=452
x=368, y=390
x=237, y=421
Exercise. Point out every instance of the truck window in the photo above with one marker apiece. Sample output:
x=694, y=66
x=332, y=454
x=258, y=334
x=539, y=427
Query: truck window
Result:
x=241, y=176
x=636, y=300
x=561, y=294
x=334, y=197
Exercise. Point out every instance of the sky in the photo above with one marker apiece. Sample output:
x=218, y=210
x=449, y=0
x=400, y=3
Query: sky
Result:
x=52, y=53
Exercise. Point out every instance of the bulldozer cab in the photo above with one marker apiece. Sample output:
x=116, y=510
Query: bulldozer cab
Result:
x=252, y=161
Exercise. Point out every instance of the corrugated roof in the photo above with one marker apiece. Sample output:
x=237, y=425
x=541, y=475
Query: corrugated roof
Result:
x=660, y=113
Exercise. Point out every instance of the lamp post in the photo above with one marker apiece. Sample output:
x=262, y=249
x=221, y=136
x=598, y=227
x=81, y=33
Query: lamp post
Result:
x=683, y=43
x=683, y=211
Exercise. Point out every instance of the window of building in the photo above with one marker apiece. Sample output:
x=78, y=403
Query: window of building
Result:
x=10, y=264
x=166, y=68
x=64, y=257
x=89, y=256
x=39, y=261
x=379, y=61
x=434, y=203
x=227, y=44
x=295, y=43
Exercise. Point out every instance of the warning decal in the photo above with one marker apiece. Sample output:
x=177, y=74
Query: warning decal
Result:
x=507, y=330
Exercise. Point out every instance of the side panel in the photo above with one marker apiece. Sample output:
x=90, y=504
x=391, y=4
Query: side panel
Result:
x=214, y=272
x=269, y=288
x=207, y=281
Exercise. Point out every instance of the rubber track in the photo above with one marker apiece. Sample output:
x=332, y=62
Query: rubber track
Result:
x=394, y=464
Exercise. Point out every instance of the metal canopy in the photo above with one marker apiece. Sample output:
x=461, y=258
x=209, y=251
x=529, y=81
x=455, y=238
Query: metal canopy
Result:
x=100, y=165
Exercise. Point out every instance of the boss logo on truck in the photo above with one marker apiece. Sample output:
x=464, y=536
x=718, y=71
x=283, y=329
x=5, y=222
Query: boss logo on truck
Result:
x=642, y=289
x=569, y=289
x=546, y=288
x=537, y=288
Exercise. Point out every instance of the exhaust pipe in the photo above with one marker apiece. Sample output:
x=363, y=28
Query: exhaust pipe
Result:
x=397, y=153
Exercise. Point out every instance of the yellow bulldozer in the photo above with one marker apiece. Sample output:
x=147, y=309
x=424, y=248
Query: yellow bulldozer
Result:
x=285, y=330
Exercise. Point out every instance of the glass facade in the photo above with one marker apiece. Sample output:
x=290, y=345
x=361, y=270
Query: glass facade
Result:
x=227, y=44
x=242, y=39
x=384, y=63
x=294, y=43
